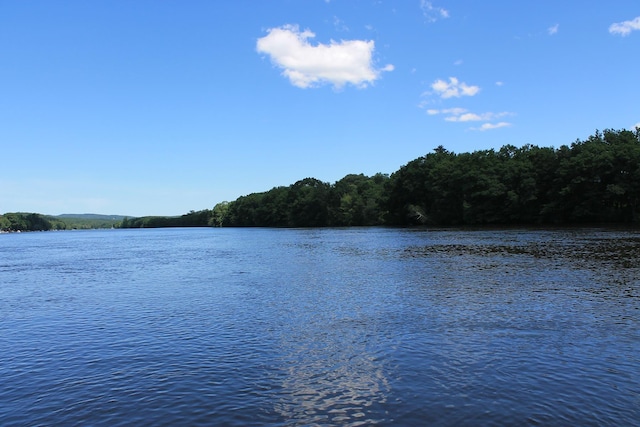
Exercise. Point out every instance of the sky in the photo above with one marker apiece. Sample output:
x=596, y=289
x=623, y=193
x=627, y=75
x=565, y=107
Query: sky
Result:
x=153, y=107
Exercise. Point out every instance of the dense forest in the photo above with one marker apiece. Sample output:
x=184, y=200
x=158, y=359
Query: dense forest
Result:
x=354, y=200
x=191, y=219
x=596, y=180
x=592, y=181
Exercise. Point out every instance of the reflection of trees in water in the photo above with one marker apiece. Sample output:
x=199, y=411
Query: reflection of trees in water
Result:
x=331, y=377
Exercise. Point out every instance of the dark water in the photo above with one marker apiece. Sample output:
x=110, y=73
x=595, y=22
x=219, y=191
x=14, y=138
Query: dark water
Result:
x=253, y=327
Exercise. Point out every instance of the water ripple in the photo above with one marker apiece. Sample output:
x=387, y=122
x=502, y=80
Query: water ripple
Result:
x=341, y=327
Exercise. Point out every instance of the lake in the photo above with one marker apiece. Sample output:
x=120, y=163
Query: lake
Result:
x=346, y=327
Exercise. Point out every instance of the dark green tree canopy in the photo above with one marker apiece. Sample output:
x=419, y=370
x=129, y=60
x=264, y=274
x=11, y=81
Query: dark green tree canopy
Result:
x=595, y=180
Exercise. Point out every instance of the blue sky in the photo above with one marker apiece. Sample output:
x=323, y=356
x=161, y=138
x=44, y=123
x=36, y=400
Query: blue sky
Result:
x=161, y=107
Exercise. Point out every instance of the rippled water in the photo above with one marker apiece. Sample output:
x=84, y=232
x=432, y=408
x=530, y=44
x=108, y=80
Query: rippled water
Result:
x=254, y=327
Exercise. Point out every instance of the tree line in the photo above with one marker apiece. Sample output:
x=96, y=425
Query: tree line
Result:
x=596, y=180
x=21, y=221
x=192, y=219
x=18, y=221
x=354, y=200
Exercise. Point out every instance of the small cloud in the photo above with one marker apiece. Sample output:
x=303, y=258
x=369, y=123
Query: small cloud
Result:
x=624, y=28
x=453, y=88
x=456, y=89
x=499, y=83
x=452, y=111
x=431, y=12
x=466, y=117
x=462, y=115
x=424, y=103
x=306, y=65
x=458, y=62
x=491, y=126
x=553, y=29
x=339, y=24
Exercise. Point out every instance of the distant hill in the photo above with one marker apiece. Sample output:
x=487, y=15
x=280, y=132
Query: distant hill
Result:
x=22, y=221
x=98, y=217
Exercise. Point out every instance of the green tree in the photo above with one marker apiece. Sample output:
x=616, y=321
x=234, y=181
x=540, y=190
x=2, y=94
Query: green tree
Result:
x=5, y=224
x=308, y=201
x=219, y=214
x=358, y=200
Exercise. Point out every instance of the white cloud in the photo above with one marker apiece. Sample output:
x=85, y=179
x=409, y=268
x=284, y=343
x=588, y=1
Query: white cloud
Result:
x=305, y=65
x=625, y=28
x=451, y=111
x=491, y=126
x=499, y=83
x=637, y=125
x=456, y=89
x=431, y=12
x=453, y=88
x=454, y=111
x=462, y=115
x=553, y=29
x=466, y=117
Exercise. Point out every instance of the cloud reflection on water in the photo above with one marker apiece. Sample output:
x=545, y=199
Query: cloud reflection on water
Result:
x=331, y=371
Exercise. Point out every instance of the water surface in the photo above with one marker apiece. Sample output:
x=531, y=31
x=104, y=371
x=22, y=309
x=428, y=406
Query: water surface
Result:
x=320, y=327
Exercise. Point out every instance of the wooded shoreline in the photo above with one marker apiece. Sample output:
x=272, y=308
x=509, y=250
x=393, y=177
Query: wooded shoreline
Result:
x=595, y=181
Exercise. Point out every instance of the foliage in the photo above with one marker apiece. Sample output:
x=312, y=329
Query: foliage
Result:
x=358, y=200
x=20, y=221
x=595, y=180
x=89, y=221
x=354, y=200
x=219, y=214
x=591, y=181
x=192, y=219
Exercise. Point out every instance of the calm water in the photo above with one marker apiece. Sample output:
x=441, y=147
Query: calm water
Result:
x=256, y=327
